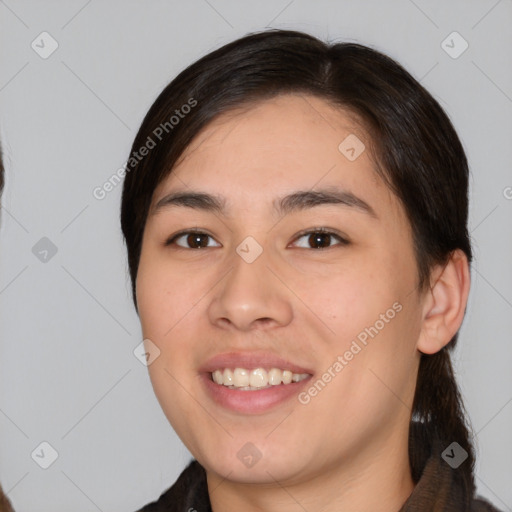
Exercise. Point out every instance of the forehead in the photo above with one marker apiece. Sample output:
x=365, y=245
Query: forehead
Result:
x=276, y=146
x=286, y=127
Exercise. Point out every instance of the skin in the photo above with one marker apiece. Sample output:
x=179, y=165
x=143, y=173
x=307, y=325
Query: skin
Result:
x=347, y=447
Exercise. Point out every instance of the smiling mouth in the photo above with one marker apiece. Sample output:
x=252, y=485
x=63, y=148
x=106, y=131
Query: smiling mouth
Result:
x=243, y=379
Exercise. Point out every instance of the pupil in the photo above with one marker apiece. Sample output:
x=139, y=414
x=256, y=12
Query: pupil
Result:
x=318, y=237
x=196, y=238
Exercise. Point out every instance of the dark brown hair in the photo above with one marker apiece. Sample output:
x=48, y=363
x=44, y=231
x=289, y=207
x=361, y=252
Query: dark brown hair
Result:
x=413, y=144
x=5, y=505
x=1, y=171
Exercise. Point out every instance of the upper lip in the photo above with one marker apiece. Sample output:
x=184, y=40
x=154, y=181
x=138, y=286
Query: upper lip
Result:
x=251, y=360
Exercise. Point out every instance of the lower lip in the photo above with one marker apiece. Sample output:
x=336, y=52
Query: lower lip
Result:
x=252, y=402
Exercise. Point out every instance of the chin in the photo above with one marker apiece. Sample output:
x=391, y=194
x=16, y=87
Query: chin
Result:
x=251, y=465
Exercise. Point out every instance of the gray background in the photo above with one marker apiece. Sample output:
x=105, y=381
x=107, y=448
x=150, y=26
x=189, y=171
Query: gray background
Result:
x=68, y=327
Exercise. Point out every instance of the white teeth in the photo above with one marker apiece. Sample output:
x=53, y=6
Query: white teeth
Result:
x=217, y=376
x=241, y=378
x=259, y=378
x=274, y=376
x=227, y=377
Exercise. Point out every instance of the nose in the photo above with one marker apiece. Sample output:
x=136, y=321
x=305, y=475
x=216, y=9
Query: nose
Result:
x=251, y=296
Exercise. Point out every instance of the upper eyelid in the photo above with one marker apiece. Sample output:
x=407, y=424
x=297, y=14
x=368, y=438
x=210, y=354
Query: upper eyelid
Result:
x=344, y=240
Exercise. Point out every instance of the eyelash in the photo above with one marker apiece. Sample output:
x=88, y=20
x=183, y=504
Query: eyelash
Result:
x=323, y=231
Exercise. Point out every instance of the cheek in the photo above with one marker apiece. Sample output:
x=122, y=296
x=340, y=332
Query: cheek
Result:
x=165, y=295
x=347, y=301
x=373, y=325
x=174, y=397
x=381, y=359
x=366, y=383
x=168, y=303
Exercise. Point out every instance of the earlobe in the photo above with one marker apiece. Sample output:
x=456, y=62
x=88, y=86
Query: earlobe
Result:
x=445, y=303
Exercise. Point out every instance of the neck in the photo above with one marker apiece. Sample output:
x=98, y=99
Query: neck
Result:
x=380, y=479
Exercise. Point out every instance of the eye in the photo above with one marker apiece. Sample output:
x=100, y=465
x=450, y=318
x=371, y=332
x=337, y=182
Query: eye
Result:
x=320, y=238
x=194, y=239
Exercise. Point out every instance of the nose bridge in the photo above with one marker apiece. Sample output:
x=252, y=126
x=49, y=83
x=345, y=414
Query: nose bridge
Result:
x=250, y=293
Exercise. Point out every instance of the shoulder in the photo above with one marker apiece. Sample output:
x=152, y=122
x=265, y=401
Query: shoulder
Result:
x=190, y=491
x=480, y=504
x=5, y=504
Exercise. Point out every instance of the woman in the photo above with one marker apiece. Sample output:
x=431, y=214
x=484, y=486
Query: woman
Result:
x=295, y=216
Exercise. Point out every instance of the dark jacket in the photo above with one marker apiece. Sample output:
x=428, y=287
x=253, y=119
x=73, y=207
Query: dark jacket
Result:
x=438, y=488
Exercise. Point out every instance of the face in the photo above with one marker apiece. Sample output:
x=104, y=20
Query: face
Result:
x=322, y=285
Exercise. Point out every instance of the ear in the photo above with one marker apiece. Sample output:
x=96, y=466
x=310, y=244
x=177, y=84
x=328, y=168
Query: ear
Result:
x=444, y=303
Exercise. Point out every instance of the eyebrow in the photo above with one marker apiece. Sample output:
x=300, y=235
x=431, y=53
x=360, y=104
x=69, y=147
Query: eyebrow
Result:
x=297, y=201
